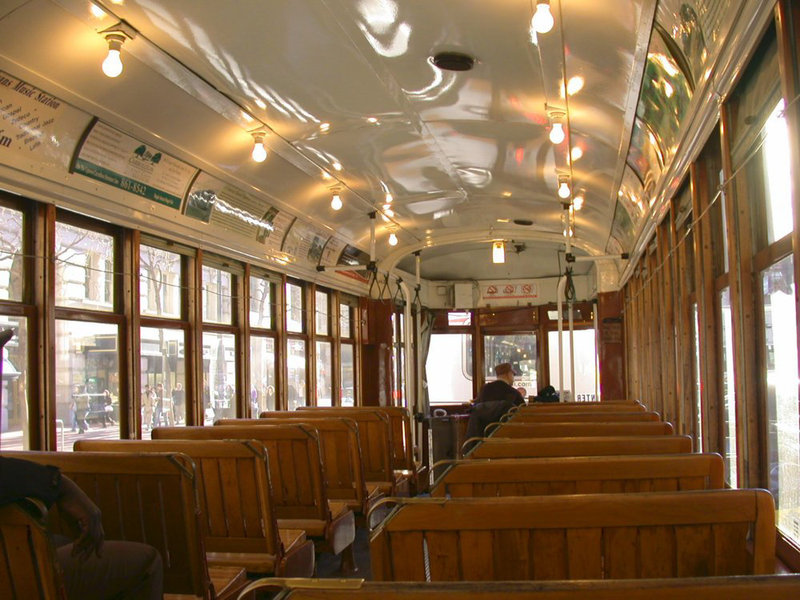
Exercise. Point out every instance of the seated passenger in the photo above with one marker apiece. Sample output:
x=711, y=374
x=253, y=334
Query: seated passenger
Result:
x=91, y=569
x=495, y=399
x=547, y=394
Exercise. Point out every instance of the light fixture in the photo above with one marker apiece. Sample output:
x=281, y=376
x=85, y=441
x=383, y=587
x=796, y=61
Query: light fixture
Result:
x=577, y=202
x=336, y=201
x=337, y=165
x=112, y=65
x=563, y=187
x=575, y=85
x=259, y=151
x=557, y=133
x=392, y=239
x=389, y=198
x=498, y=252
x=576, y=153
x=542, y=21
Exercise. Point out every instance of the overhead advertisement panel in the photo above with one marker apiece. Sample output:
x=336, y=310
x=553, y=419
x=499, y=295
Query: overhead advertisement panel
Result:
x=123, y=162
x=37, y=128
x=305, y=242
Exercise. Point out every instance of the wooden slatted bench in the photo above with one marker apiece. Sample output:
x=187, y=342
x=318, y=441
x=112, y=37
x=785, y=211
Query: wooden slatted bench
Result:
x=236, y=504
x=584, y=536
x=580, y=475
x=28, y=565
x=402, y=444
x=583, y=406
x=578, y=446
x=375, y=439
x=513, y=429
x=742, y=587
x=149, y=498
x=341, y=457
x=606, y=416
x=298, y=486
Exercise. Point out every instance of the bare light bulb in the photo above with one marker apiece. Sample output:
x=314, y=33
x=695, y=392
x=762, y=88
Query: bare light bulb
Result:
x=112, y=65
x=563, y=190
x=557, y=134
x=259, y=152
x=336, y=202
x=542, y=21
x=392, y=239
x=498, y=252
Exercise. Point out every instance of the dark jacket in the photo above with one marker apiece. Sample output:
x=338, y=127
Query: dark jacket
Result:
x=495, y=399
x=499, y=390
x=21, y=478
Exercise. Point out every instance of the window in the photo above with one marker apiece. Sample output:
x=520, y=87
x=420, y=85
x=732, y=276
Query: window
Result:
x=262, y=375
x=347, y=375
x=217, y=292
x=519, y=349
x=262, y=292
x=163, y=383
x=87, y=380
x=449, y=368
x=11, y=254
x=585, y=365
x=324, y=368
x=294, y=308
x=14, y=434
x=783, y=416
x=296, y=367
x=321, y=321
x=219, y=377
x=728, y=388
x=84, y=268
x=698, y=406
x=346, y=321
x=159, y=283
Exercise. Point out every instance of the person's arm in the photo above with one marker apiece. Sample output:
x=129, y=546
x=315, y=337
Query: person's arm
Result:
x=74, y=502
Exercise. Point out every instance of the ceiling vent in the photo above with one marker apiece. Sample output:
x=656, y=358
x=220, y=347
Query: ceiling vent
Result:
x=454, y=61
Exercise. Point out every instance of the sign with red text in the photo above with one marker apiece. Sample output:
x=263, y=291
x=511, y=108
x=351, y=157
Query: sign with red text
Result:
x=509, y=290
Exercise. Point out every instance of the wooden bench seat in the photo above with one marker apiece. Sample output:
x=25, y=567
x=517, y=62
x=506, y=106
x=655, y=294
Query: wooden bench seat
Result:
x=605, y=416
x=375, y=439
x=236, y=503
x=602, y=405
x=341, y=458
x=28, y=565
x=513, y=429
x=149, y=498
x=298, y=487
x=584, y=536
x=406, y=468
x=578, y=446
x=580, y=475
x=743, y=587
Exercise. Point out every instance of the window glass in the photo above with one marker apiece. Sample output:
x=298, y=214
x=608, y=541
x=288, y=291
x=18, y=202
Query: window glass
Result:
x=87, y=381
x=163, y=383
x=84, y=261
x=294, y=308
x=449, y=368
x=346, y=321
x=262, y=375
x=14, y=408
x=159, y=283
x=778, y=179
x=324, y=370
x=321, y=320
x=585, y=365
x=261, y=302
x=347, y=375
x=217, y=291
x=219, y=377
x=783, y=415
x=11, y=254
x=296, y=384
x=698, y=406
x=728, y=388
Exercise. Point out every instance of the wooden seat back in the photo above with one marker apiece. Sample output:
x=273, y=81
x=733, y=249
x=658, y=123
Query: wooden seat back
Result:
x=149, y=498
x=580, y=475
x=236, y=500
x=512, y=429
x=374, y=434
x=606, y=416
x=585, y=536
x=580, y=446
x=295, y=469
x=341, y=453
x=400, y=423
x=617, y=406
x=28, y=565
x=746, y=587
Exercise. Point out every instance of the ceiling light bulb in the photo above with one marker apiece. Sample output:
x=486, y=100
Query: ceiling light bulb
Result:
x=336, y=202
x=392, y=239
x=575, y=85
x=577, y=202
x=563, y=190
x=557, y=134
x=498, y=252
x=389, y=198
x=259, y=152
x=576, y=153
x=542, y=21
x=112, y=65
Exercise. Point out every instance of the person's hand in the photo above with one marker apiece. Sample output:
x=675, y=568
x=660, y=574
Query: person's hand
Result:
x=75, y=503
